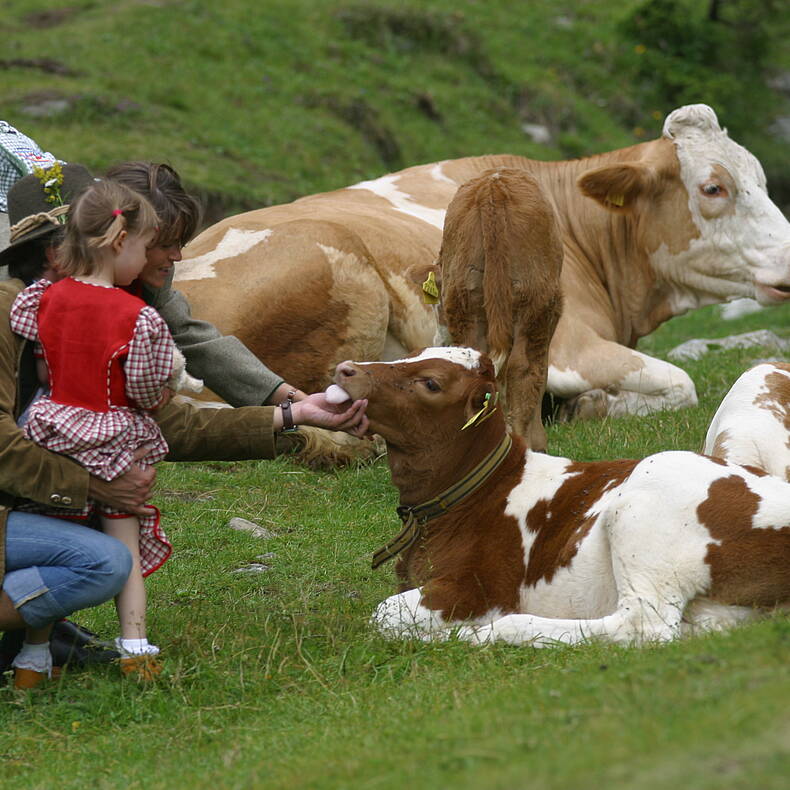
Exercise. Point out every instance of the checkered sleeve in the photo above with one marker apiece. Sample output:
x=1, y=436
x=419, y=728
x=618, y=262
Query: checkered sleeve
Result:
x=24, y=310
x=150, y=359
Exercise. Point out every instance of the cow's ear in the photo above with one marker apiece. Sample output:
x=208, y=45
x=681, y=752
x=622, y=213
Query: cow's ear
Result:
x=429, y=278
x=617, y=187
x=481, y=403
x=419, y=273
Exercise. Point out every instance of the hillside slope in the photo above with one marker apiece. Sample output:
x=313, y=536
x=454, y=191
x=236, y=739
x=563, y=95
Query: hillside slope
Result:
x=259, y=103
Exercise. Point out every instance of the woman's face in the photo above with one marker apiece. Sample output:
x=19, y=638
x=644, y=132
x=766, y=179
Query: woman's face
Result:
x=159, y=262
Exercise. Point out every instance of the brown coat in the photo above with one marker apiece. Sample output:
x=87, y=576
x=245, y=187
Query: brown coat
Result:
x=30, y=472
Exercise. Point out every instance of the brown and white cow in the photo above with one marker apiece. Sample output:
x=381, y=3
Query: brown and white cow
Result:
x=498, y=274
x=527, y=548
x=752, y=424
x=649, y=232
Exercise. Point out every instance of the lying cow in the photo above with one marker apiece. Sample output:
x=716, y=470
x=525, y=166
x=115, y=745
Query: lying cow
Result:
x=527, y=548
x=498, y=278
x=649, y=232
x=752, y=424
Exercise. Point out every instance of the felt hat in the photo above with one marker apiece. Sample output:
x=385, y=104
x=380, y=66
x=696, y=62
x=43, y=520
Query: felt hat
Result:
x=28, y=201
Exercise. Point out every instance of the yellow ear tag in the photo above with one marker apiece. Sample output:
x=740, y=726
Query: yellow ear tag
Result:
x=430, y=290
x=481, y=416
x=615, y=200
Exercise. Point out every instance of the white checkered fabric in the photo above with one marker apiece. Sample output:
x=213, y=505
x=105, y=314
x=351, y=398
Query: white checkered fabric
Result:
x=18, y=156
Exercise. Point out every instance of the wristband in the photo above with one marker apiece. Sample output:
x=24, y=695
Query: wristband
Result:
x=288, y=419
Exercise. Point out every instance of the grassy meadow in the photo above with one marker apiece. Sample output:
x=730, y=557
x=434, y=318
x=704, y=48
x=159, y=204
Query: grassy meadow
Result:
x=273, y=677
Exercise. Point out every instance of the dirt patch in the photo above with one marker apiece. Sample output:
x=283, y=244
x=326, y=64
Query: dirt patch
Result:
x=50, y=17
x=363, y=118
x=47, y=65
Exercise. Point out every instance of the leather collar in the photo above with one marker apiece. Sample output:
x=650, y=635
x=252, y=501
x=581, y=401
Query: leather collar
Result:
x=415, y=517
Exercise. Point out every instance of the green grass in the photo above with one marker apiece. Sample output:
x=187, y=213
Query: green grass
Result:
x=275, y=680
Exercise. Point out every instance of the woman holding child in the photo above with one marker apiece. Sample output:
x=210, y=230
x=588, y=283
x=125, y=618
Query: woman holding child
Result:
x=53, y=567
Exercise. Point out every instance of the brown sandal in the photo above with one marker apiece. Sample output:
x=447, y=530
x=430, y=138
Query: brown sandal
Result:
x=144, y=667
x=30, y=679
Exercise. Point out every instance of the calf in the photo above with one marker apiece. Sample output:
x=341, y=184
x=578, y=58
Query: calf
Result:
x=503, y=543
x=752, y=424
x=499, y=271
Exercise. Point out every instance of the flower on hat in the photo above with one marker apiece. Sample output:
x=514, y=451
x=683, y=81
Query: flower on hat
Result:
x=51, y=179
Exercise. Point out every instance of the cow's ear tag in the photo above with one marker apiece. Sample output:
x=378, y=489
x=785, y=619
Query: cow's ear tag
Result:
x=616, y=200
x=489, y=406
x=430, y=290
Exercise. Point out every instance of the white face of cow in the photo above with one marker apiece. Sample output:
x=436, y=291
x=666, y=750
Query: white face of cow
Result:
x=743, y=246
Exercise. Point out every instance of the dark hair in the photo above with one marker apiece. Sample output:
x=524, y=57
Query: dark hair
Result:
x=178, y=211
x=30, y=258
x=101, y=213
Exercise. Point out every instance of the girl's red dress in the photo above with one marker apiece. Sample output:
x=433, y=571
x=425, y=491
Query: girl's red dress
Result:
x=109, y=356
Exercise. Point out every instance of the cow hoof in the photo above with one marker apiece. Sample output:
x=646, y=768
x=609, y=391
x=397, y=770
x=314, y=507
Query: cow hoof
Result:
x=590, y=405
x=317, y=448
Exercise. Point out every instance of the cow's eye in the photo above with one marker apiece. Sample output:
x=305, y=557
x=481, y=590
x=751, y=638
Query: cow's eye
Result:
x=713, y=190
x=431, y=385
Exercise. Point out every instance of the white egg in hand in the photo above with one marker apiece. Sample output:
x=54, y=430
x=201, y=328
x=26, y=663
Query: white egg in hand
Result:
x=335, y=394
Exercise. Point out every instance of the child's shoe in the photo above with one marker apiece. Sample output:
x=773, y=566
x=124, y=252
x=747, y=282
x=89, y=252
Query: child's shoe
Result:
x=32, y=666
x=138, y=659
x=144, y=667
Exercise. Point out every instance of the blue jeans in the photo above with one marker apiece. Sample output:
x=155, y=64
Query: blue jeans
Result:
x=54, y=567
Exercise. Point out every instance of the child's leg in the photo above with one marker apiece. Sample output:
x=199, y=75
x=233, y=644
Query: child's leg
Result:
x=130, y=602
x=137, y=655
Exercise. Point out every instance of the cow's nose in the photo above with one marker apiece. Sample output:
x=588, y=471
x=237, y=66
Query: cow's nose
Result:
x=345, y=369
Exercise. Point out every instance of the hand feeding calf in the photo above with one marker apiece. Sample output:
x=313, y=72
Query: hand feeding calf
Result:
x=498, y=286
x=752, y=424
x=506, y=544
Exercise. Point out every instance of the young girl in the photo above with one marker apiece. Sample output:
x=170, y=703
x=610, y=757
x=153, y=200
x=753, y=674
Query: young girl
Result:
x=108, y=358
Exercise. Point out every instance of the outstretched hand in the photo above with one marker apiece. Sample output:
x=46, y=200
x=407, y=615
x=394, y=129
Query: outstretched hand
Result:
x=315, y=410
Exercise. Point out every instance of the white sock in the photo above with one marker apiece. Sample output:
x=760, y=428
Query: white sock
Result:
x=135, y=647
x=35, y=657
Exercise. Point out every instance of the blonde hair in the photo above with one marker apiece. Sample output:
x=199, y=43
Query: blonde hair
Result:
x=101, y=213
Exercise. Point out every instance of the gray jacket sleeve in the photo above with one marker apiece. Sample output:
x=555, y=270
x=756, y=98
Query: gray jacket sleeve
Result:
x=224, y=363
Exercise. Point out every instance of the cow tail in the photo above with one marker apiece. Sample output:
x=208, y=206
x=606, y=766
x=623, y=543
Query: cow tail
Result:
x=497, y=240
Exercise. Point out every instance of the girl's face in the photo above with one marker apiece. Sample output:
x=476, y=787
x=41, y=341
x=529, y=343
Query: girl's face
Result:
x=130, y=251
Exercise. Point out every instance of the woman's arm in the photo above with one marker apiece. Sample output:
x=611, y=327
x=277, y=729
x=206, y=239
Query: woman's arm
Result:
x=225, y=364
x=26, y=470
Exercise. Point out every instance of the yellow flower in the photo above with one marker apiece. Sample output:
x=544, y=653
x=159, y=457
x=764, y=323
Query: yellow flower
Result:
x=640, y=49
x=51, y=180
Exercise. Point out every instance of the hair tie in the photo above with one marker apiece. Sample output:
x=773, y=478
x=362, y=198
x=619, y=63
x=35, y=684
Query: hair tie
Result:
x=116, y=212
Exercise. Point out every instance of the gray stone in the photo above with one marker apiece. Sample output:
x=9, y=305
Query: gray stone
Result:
x=536, y=132
x=256, y=530
x=781, y=82
x=696, y=349
x=738, y=308
x=253, y=567
x=46, y=108
x=780, y=128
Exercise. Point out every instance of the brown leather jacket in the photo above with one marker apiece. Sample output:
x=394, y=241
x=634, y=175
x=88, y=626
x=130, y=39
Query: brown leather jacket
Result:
x=27, y=471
